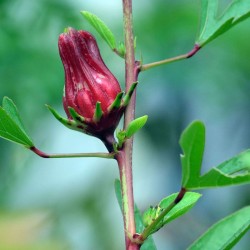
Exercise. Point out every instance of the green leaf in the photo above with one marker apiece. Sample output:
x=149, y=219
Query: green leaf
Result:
x=213, y=25
x=235, y=171
x=135, y=125
x=149, y=243
x=121, y=137
x=187, y=202
x=11, y=126
x=192, y=142
x=121, y=49
x=226, y=233
x=11, y=109
x=151, y=214
x=118, y=192
x=101, y=28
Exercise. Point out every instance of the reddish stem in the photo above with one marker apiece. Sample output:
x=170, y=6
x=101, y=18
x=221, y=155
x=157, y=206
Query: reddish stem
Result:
x=193, y=51
x=196, y=48
x=39, y=152
x=124, y=157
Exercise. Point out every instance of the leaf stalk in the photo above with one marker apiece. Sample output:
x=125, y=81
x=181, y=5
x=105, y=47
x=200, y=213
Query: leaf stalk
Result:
x=74, y=155
x=171, y=60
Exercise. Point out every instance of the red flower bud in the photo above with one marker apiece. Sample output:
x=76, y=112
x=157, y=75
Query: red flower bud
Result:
x=93, y=99
x=87, y=79
x=92, y=95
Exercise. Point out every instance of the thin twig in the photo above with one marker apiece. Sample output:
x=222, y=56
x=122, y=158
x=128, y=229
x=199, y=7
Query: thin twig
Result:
x=170, y=60
x=74, y=155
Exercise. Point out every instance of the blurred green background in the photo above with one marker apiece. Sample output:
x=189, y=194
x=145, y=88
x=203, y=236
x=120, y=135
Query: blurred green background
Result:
x=70, y=203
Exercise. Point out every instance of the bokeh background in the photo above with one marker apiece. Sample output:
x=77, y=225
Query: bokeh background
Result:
x=70, y=203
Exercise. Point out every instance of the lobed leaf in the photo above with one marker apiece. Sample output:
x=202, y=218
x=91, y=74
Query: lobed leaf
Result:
x=234, y=171
x=192, y=142
x=213, y=25
x=225, y=233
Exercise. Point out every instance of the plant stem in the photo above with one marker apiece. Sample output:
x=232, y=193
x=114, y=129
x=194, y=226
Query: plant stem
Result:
x=99, y=155
x=124, y=157
x=170, y=60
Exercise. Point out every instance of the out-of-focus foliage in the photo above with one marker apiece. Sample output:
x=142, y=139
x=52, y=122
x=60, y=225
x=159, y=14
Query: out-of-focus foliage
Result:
x=30, y=231
x=78, y=195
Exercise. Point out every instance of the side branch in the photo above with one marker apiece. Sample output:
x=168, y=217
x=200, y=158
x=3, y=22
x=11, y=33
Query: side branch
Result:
x=99, y=155
x=173, y=59
x=143, y=236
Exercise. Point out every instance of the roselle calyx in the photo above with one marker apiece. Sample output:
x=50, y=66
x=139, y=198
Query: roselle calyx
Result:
x=93, y=100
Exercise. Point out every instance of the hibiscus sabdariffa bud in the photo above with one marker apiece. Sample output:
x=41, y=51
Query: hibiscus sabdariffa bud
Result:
x=93, y=100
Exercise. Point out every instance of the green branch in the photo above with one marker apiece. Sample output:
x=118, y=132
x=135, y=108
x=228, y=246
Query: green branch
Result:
x=170, y=60
x=74, y=155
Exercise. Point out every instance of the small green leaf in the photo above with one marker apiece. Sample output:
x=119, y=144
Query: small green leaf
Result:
x=192, y=142
x=121, y=137
x=101, y=28
x=213, y=25
x=150, y=215
x=187, y=202
x=11, y=126
x=136, y=125
x=149, y=243
x=226, y=233
x=121, y=49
